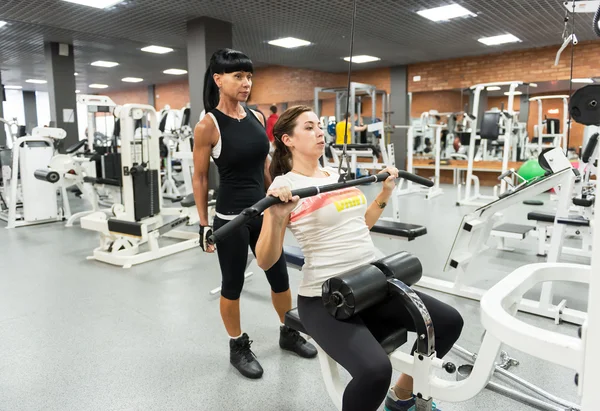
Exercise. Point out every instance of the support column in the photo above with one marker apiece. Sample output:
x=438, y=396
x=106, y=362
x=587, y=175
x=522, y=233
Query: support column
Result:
x=400, y=108
x=524, y=110
x=60, y=73
x=204, y=37
x=29, y=103
x=2, y=125
x=152, y=95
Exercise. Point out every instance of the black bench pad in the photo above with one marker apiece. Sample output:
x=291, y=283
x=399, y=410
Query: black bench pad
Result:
x=106, y=181
x=189, y=201
x=544, y=217
x=76, y=146
x=390, y=342
x=410, y=231
x=293, y=255
x=549, y=218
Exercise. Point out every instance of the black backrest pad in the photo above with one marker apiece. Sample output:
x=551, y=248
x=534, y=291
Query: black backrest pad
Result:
x=589, y=148
x=490, y=127
x=553, y=126
x=402, y=266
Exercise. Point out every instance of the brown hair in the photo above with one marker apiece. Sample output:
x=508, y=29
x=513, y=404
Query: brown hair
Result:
x=281, y=162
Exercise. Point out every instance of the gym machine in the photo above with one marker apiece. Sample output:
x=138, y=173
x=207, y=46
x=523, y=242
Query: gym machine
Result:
x=140, y=219
x=490, y=130
x=553, y=137
x=26, y=198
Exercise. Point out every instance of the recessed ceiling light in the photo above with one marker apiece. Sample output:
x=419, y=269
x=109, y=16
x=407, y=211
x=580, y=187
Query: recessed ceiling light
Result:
x=77, y=91
x=175, y=72
x=494, y=88
x=495, y=40
x=76, y=74
x=99, y=4
x=132, y=79
x=289, y=42
x=13, y=87
x=553, y=111
x=3, y=23
x=515, y=93
x=104, y=63
x=34, y=81
x=98, y=86
x=583, y=80
x=362, y=59
x=157, y=49
x=532, y=84
x=443, y=13
x=416, y=78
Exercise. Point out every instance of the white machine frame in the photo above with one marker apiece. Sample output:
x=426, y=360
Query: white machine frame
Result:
x=123, y=249
x=472, y=194
x=92, y=103
x=39, y=198
x=474, y=231
x=560, y=139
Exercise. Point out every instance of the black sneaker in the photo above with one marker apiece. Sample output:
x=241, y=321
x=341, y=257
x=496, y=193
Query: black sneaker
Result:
x=291, y=340
x=243, y=359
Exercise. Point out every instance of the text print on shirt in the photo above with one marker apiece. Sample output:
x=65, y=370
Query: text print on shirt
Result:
x=342, y=200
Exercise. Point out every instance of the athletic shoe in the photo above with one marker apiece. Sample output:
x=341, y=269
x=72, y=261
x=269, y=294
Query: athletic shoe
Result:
x=242, y=357
x=393, y=403
x=291, y=340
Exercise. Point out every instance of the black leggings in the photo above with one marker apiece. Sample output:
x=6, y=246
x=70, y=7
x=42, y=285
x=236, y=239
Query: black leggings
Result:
x=352, y=345
x=233, y=255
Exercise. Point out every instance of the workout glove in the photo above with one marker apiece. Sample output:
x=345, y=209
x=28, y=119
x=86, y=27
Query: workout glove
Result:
x=205, y=232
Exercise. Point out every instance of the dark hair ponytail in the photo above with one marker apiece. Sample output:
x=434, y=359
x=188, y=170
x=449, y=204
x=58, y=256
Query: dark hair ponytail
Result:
x=222, y=61
x=282, y=160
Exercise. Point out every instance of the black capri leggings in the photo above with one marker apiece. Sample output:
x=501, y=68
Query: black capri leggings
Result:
x=233, y=255
x=352, y=345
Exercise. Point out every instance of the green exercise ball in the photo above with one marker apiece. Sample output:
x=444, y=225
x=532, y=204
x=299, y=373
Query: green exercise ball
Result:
x=531, y=169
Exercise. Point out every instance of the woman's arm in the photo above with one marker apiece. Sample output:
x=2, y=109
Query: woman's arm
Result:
x=204, y=134
x=374, y=211
x=270, y=242
x=268, y=180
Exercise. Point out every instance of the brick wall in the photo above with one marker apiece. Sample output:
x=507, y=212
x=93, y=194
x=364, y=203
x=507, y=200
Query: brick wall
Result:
x=176, y=94
x=277, y=84
x=526, y=65
x=137, y=95
x=442, y=101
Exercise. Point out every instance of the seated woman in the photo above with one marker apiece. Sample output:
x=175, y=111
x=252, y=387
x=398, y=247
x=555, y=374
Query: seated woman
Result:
x=333, y=233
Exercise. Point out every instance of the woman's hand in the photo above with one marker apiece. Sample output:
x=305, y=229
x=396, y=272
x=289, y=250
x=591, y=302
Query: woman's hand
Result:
x=281, y=211
x=390, y=183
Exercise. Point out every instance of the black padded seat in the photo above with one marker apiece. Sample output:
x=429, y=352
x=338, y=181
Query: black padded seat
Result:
x=390, y=342
x=574, y=220
x=410, y=231
x=106, y=181
x=75, y=147
x=584, y=202
x=188, y=201
x=577, y=221
x=544, y=217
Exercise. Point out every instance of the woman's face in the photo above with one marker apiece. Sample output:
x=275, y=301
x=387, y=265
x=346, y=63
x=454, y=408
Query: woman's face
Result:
x=308, y=137
x=236, y=85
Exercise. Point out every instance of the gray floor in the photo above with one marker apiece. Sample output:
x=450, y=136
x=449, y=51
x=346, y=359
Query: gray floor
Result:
x=82, y=335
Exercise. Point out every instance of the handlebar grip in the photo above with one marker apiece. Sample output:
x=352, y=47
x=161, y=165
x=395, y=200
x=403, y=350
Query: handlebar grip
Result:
x=415, y=178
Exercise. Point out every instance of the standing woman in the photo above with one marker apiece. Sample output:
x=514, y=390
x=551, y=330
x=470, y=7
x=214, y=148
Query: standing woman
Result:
x=235, y=137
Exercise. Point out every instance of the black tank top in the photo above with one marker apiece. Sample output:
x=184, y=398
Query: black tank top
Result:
x=241, y=164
